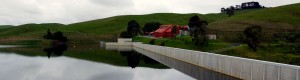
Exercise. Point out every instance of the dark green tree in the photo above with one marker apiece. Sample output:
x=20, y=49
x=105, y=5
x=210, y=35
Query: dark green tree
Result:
x=49, y=35
x=133, y=28
x=162, y=44
x=198, y=30
x=151, y=26
x=174, y=30
x=59, y=36
x=125, y=34
x=194, y=22
x=292, y=37
x=253, y=36
x=152, y=41
x=229, y=12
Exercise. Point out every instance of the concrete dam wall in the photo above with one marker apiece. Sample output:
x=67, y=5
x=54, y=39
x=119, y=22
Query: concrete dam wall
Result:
x=243, y=68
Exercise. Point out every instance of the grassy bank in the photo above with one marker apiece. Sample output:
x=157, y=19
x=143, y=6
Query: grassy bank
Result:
x=183, y=42
x=274, y=52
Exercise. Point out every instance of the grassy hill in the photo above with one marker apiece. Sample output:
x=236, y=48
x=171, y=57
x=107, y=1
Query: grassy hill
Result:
x=283, y=17
x=280, y=20
x=6, y=26
x=95, y=30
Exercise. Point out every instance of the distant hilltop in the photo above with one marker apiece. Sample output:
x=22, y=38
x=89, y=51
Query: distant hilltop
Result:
x=245, y=5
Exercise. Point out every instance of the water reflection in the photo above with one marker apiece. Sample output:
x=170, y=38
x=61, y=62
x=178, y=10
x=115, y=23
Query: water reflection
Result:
x=134, y=58
x=17, y=67
x=196, y=72
x=86, y=52
x=57, y=50
x=86, y=63
x=149, y=60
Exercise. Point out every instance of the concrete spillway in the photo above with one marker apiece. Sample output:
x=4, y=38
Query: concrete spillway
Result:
x=243, y=68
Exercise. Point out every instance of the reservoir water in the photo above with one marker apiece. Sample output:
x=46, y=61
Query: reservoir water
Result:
x=90, y=62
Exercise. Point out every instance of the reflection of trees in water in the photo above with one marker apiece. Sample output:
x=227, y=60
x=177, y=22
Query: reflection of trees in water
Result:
x=56, y=50
x=59, y=43
x=148, y=60
x=134, y=58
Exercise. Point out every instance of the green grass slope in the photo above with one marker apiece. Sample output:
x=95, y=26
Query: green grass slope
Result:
x=106, y=28
x=282, y=17
x=27, y=29
x=6, y=26
x=26, y=33
x=90, y=31
x=119, y=23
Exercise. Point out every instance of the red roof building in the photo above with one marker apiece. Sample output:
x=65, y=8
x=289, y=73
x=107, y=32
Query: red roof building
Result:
x=166, y=31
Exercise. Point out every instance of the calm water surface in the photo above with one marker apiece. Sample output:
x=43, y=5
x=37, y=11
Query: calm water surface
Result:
x=81, y=63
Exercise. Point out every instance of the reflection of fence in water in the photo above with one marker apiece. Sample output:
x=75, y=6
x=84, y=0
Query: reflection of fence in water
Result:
x=119, y=48
x=189, y=69
x=243, y=68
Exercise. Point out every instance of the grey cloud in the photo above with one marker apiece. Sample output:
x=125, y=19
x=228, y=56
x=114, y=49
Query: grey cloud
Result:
x=114, y=3
x=16, y=12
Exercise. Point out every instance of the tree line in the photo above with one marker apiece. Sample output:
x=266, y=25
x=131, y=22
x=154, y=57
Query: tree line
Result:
x=196, y=25
x=134, y=29
x=56, y=36
x=254, y=36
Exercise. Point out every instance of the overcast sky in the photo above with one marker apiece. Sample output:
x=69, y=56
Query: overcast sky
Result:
x=16, y=12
